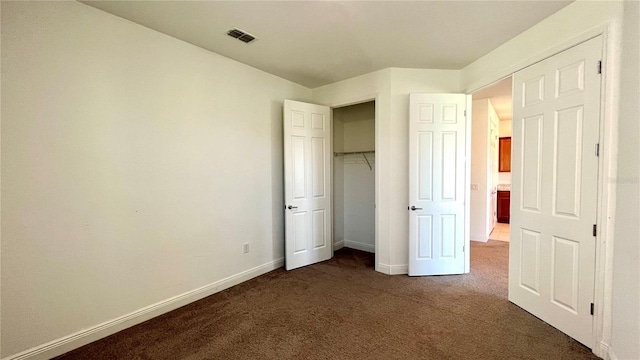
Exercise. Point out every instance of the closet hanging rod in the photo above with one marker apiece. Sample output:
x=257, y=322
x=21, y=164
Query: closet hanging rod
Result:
x=358, y=152
x=353, y=152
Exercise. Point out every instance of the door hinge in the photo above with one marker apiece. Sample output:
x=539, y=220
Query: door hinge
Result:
x=597, y=149
x=600, y=67
x=595, y=229
x=592, y=308
x=465, y=113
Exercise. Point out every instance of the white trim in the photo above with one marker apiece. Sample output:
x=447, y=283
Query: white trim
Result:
x=354, y=101
x=479, y=237
x=80, y=338
x=605, y=351
x=393, y=269
x=360, y=246
x=384, y=268
x=338, y=245
x=399, y=269
x=607, y=170
x=467, y=185
x=376, y=184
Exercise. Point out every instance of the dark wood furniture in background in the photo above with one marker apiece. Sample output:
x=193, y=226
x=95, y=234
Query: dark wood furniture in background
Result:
x=504, y=201
x=504, y=157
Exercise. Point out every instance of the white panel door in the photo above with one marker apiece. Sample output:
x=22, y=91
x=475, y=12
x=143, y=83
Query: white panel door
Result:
x=437, y=178
x=556, y=112
x=307, y=174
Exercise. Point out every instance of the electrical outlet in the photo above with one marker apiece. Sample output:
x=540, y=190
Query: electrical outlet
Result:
x=475, y=186
x=245, y=248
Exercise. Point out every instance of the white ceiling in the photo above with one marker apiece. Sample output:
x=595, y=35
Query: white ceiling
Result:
x=500, y=95
x=315, y=43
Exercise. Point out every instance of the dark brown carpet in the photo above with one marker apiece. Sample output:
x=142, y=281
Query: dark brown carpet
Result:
x=343, y=309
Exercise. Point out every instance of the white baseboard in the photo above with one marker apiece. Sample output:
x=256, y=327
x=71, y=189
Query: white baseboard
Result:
x=606, y=352
x=602, y=351
x=399, y=269
x=479, y=237
x=338, y=245
x=383, y=268
x=78, y=339
x=393, y=269
x=360, y=246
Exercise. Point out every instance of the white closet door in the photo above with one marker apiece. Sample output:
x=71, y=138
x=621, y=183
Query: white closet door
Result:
x=307, y=174
x=556, y=119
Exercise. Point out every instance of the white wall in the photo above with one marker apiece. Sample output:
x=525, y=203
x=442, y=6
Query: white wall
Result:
x=505, y=128
x=504, y=178
x=354, y=197
x=359, y=126
x=578, y=21
x=359, y=203
x=117, y=187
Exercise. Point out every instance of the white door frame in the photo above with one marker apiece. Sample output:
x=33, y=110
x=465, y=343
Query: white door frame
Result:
x=606, y=163
x=349, y=102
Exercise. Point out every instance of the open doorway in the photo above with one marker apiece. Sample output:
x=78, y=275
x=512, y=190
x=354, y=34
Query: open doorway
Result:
x=491, y=162
x=354, y=178
x=491, y=185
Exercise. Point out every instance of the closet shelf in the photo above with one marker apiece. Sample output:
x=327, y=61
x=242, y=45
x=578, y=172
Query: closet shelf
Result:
x=353, y=152
x=357, y=152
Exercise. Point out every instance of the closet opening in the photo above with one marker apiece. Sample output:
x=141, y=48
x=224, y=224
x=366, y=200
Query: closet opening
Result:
x=354, y=161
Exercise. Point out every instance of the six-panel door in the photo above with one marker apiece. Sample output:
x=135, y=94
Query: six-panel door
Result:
x=307, y=173
x=554, y=188
x=437, y=173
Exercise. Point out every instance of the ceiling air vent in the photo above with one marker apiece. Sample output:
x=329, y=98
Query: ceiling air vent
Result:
x=241, y=35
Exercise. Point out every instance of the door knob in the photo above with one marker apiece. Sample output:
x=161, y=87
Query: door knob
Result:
x=291, y=207
x=413, y=208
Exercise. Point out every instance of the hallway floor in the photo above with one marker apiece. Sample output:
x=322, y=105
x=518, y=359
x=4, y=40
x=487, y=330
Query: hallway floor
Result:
x=500, y=232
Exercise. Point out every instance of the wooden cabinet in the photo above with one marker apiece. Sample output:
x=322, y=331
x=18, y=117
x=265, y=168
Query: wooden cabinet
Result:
x=504, y=201
x=504, y=157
